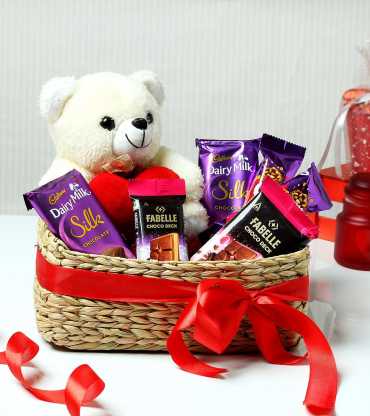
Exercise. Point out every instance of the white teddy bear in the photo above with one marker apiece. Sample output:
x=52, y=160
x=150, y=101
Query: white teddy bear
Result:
x=111, y=122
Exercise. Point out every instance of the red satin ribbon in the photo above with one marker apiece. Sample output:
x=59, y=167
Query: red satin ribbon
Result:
x=83, y=385
x=214, y=309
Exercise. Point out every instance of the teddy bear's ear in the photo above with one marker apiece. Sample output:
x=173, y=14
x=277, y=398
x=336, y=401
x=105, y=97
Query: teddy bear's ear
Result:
x=152, y=83
x=54, y=95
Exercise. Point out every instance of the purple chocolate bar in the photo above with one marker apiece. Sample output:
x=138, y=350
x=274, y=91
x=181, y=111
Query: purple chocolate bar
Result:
x=308, y=191
x=73, y=214
x=283, y=158
x=228, y=168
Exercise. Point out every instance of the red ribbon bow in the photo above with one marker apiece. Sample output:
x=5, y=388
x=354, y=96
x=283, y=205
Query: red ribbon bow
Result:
x=214, y=309
x=83, y=385
x=216, y=313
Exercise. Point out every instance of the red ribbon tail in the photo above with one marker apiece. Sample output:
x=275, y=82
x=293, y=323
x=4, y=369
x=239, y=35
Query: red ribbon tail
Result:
x=83, y=384
x=269, y=341
x=179, y=351
x=186, y=361
x=20, y=348
x=323, y=380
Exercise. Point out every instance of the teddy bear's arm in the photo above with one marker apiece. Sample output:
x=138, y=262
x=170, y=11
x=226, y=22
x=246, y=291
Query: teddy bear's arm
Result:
x=196, y=218
x=60, y=167
x=184, y=168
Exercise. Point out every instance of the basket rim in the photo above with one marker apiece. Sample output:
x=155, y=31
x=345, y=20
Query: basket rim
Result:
x=182, y=262
x=97, y=258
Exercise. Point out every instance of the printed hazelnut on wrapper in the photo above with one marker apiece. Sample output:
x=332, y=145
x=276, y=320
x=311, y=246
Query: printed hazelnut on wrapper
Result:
x=275, y=173
x=300, y=196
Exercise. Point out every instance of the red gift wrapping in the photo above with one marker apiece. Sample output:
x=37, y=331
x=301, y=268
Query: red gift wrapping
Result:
x=214, y=309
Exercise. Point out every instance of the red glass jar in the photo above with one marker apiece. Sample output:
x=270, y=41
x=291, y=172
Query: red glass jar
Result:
x=352, y=244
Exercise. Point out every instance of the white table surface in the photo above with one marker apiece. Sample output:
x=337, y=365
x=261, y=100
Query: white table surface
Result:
x=151, y=384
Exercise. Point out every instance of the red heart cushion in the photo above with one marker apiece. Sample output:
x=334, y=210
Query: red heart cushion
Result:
x=112, y=192
x=157, y=172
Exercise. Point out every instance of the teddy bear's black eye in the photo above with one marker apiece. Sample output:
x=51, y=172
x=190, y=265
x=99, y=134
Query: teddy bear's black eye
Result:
x=149, y=118
x=107, y=123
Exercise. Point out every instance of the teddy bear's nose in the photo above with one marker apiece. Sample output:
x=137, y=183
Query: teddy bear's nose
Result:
x=140, y=123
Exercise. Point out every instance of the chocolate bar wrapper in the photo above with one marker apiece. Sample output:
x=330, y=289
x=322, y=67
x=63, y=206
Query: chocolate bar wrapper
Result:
x=159, y=219
x=269, y=225
x=228, y=168
x=308, y=191
x=257, y=181
x=73, y=214
x=206, y=235
x=283, y=158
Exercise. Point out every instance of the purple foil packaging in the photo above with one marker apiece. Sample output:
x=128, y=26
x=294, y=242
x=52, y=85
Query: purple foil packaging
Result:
x=282, y=158
x=73, y=214
x=228, y=168
x=308, y=191
x=280, y=161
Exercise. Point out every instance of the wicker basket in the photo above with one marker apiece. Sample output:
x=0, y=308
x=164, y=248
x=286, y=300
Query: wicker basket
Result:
x=84, y=324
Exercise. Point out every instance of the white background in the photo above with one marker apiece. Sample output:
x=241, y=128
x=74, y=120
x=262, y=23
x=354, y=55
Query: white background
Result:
x=232, y=69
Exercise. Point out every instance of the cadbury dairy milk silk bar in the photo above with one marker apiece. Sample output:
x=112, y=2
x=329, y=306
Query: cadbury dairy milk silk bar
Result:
x=228, y=168
x=73, y=214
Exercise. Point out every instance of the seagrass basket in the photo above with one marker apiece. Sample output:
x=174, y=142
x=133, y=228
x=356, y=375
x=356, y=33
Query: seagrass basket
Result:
x=85, y=324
